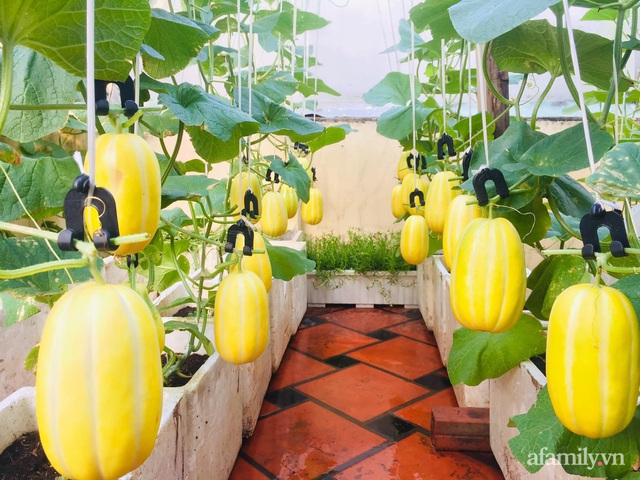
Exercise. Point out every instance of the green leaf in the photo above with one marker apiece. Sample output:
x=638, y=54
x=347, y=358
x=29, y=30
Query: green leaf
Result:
x=293, y=174
x=477, y=356
x=16, y=309
x=573, y=199
x=528, y=48
x=406, y=34
x=313, y=86
x=24, y=252
x=480, y=22
x=31, y=360
x=434, y=15
x=56, y=29
x=166, y=273
x=277, y=119
x=277, y=87
x=331, y=135
x=192, y=328
x=630, y=286
x=618, y=173
x=37, y=80
x=532, y=220
x=161, y=126
x=186, y=187
x=566, y=151
x=42, y=184
x=176, y=216
x=195, y=107
x=397, y=122
x=549, y=279
x=287, y=262
x=211, y=148
x=393, y=88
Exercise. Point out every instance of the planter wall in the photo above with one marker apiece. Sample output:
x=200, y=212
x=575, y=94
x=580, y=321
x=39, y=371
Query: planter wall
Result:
x=364, y=290
x=427, y=291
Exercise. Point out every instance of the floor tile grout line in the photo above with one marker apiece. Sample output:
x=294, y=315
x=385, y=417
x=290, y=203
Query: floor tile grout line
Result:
x=255, y=464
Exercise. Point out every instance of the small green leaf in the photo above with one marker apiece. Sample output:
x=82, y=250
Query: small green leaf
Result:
x=393, y=88
x=331, y=135
x=160, y=126
x=176, y=216
x=16, y=309
x=276, y=87
x=293, y=174
x=434, y=15
x=572, y=198
x=477, y=356
x=549, y=279
x=630, y=286
x=192, y=328
x=532, y=220
x=287, y=262
x=185, y=187
x=31, y=360
x=618, y=174
x=397, y=122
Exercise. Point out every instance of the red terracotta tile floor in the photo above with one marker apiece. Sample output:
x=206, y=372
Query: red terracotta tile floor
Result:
x=352, y=400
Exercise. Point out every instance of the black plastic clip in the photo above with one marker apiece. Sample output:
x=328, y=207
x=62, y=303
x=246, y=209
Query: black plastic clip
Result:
x=479, y=184
x=132, y=260
x=74, y=204
x=304, y=148
x=313, y=174
x=276, y=177
x=466, y=164
x=592, y=221
x=448, y=141
x=412, y=198
x=234, y=230
x=421, y=161
x=250, y=205
x=127, y=97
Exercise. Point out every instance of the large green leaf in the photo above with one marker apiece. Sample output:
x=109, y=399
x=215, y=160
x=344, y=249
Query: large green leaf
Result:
x=37, y=80
x=434, y=15
x=292, y=173
x=618, y=174
x=542, y=437
x=572, y=198
x=277, y=119
x=393, y=88
x=16, y=309
x=630, y=286
x=528, y=48
x=480, y=21
x=566, y=151
x=185, y=187
x=56, y=29
x=287, y=262
x=24, y=252
x=408, y=36
x=532, y=220
x=42, y=184
x=211, y=148
x=277, y=86
x=187, y=38
x=549, y=279
x=331, y=135
x=397, y=122
x=477, y=356
x=195, y=107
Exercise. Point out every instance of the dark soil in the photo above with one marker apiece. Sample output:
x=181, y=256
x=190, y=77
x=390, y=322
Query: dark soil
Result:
x=25, y=459
x=188, y=368
x=185, y=312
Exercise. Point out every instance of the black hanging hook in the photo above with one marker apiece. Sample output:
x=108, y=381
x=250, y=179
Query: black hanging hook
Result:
x=479, y=184
x=276, y=177
x=313, y=173
x=132, y=260
x=250, y=205
x=234, y=230
x=412, y=198
x=127, y=97
x=447, y=140
x=599, y=217
x=75, y=203
x=466, y=163
x=304, y=148
x=421, y=161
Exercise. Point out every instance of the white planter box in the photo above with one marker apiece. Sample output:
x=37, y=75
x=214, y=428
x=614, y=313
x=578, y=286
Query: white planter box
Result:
x=444, y=325
x=368, y=290
x=427, y=290
x=513, y=394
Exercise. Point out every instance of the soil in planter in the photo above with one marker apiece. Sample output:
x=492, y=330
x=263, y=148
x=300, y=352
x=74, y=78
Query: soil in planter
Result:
x=188, y=368
x=25, y=459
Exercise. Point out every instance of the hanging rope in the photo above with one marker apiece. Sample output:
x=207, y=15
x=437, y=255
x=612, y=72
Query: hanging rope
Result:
x=412, y=87
x=616, y=127
x=137, y=68
x=239, y=86
x=482, y=87
x=384, y=33
x=469, y=92
x=393, y=33
x=443, y=83
x=295, y=34
x=580, y=87
x=250, y=89
x=91, y=95
x=315, y=70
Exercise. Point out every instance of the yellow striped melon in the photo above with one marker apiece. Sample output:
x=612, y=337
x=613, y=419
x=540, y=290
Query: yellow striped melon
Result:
x=128, y=168
x=311, y=212
x=239, y=185
x=414, y=240
x=257, y=263
x=99, y=382
x=593, y=360
x=403, y=167
x=440, y=194
x=241, y=317
x=274, y=219
x=488, y=277
x=410, y=182
x=458, y=217
x=290, y=199
x=397, y=204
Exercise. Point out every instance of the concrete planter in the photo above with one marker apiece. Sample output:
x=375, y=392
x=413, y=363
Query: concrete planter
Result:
x=375, y=288
x=444, y=324
x=428, y=291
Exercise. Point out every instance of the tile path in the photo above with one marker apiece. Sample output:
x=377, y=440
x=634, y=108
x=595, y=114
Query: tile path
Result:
x=352, y=400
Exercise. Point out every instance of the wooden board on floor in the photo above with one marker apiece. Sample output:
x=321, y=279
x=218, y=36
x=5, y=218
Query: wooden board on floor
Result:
x=460, y=429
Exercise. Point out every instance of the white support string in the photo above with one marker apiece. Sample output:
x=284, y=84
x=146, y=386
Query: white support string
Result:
x=316, y=68
x=91, y=95
x=469, y=92
x=384, y=33
x=412, y=86
x=580, y=87
x=250, y=88
x=393, y=33
x=616, y=84
x=295, y=34
x=305, y=61
x=239, y=86
x=443, y=83
x=137, y=68
x=482, y=87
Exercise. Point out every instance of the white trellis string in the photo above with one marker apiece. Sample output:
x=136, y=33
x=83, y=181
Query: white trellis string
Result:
x=316, y=68
x=137, y=68
x=482, y=87
x=239, y=86
x=393, y=33
x=443, y=82
x=305, y=61
x=250, y=88
x=469, y=92
x=295, y=34
x=616, y=127
x=412, y=87
x=580, y=87
x=91, y=95
x=384, y=33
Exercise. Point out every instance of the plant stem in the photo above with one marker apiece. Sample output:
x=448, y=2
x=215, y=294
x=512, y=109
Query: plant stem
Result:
x=488, y=81
x=543, y=95
x=617, y=65
x=516, y=102
x=174, y=155
x=556, y=213
x=7, y=82
x=43, y=267
x=191, y=234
